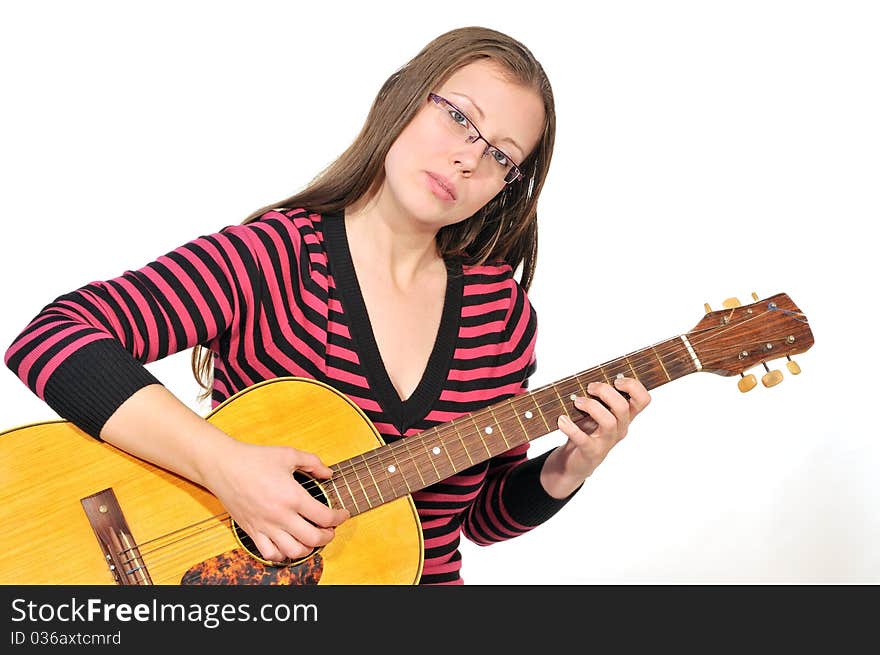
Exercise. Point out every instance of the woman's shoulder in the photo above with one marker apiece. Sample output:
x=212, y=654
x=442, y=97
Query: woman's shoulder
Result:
x=492, y=277
x=306, y=223
x=281, y=228
x=494, y=287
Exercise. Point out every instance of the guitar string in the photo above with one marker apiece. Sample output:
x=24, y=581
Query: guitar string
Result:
x=191, y=541
x=356, y=466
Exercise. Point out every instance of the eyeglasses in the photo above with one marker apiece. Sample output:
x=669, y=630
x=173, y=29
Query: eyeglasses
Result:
x=457, y=123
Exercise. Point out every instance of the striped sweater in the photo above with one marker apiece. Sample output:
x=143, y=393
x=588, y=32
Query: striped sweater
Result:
x=279, y=296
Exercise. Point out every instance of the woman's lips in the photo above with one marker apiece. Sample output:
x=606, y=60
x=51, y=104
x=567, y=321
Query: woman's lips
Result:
x=440, y=188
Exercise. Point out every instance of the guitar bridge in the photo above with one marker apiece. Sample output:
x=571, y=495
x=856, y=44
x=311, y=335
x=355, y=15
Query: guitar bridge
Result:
x=123, y=558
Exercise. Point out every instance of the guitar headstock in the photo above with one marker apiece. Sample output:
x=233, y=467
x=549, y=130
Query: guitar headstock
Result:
x=732, y=340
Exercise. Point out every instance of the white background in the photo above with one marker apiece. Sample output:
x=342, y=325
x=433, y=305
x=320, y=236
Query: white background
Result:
x=704, y=150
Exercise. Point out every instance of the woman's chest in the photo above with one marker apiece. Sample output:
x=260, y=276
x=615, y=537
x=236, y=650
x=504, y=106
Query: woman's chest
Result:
x=404, y=326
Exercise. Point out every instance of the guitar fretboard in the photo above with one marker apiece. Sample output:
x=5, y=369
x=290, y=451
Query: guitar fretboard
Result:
x=392, y=471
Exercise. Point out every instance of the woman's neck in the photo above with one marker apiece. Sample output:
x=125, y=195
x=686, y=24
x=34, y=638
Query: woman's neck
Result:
x=391, y=244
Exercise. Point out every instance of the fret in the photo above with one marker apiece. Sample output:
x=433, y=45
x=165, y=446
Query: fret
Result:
x=332, y=482
x=431, y=458
x=661, y=364
x=372, y=477
x=634, y=374
x=350, y=493
x=562, y=406
x=480, y=434
x=616, y=370
x=446, y=452
x=569, y=388
x=394, y=472
x=500, y=429
x=538, y=408
x=604, y=375
x=514, y=404
x=463, y=444
x=415, y=462
x=366, y=497
x=561, y=402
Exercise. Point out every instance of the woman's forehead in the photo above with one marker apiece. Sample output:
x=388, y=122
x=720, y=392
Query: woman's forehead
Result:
x=511, y=112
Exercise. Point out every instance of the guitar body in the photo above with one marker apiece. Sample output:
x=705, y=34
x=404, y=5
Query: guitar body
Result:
x=181, y=532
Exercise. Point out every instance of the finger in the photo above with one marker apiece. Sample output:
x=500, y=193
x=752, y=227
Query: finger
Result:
x=307, y=533
x=568, y=427
x=639, y=396
x=311, y=463
x=320, y=514
x=289, y=545
x=612, y=399
x=604, y=418
x=267, y=548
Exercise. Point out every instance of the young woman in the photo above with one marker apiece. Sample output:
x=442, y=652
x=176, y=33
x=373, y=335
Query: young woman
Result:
x=390, y=277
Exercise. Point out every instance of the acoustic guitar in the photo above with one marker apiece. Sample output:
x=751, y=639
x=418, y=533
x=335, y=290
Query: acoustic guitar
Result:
x=74, y=510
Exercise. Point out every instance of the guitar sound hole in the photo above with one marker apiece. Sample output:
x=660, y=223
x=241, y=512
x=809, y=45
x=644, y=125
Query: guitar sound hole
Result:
x=309, y=484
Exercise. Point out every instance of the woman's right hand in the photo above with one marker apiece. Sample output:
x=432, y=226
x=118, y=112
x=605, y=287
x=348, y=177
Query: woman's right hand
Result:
x=256, y=486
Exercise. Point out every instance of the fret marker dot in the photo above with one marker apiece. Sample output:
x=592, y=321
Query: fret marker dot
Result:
x=391, y=469
x=489, y=429
x=573, y=397
x=619, y=376
x=435, y=450
x=528, y=415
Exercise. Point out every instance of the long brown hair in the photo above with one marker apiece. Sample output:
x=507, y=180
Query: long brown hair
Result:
x=504, y=229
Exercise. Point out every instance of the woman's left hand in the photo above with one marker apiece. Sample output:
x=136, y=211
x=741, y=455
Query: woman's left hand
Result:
x=593, y=435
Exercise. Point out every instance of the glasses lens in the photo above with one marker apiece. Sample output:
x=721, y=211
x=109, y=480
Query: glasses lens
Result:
x=513, y=174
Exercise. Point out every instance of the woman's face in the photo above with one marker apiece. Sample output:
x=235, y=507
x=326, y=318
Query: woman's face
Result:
x=508, y=116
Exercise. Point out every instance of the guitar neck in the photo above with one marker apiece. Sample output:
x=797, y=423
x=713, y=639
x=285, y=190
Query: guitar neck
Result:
x=395, y=470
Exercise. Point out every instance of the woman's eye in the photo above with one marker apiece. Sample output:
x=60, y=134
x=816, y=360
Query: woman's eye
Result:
x=500, y=157
x=458, y=117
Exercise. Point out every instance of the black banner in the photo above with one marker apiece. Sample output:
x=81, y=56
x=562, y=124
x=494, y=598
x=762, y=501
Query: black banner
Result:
x=409, y=618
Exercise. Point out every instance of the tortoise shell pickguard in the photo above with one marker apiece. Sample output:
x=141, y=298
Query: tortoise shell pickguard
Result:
x=237, y=567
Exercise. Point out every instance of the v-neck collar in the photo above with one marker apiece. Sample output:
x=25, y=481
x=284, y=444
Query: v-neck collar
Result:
x=403, y=413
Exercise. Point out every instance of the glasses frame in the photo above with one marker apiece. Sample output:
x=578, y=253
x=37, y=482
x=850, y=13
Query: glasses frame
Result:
x=515, y=169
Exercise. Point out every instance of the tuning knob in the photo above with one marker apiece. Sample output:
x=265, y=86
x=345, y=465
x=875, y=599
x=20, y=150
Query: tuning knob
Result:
x=730, y=303
x=792, y=366
x=747, y=382
x=707, y=308
x=755, y=296
x=771, y=378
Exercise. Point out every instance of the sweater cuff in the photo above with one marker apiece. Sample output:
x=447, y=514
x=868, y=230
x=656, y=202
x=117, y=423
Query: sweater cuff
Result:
x=524, y=496
x=93, y=382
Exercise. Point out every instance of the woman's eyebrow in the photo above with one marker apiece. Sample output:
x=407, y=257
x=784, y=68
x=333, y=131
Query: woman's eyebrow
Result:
x=483, y=116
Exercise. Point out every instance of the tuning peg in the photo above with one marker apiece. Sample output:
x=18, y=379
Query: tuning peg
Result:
x=747, y=382
x=771, y=378
x=707, y=308
x=792, y=366
x=755, y=296
x=730, y=303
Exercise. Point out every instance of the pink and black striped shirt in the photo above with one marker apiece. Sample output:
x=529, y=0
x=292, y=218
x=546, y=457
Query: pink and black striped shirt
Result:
x=279, y=296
